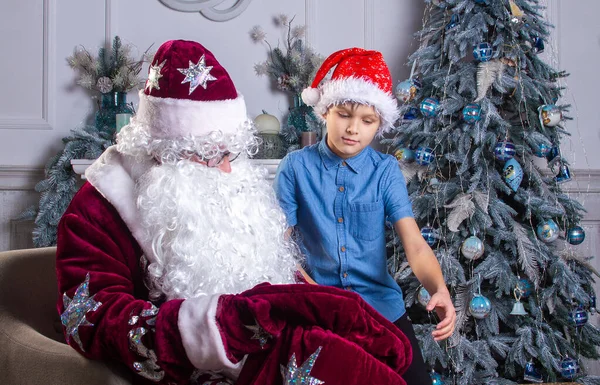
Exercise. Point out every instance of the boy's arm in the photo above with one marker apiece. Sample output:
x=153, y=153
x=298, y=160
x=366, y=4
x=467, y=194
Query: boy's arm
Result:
x=307, y=278
x=427, y=270
x=285, y=189
x=284, y=185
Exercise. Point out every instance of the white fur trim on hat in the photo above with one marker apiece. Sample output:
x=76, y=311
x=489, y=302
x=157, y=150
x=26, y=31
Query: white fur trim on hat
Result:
x=168, y=118
x=361, y=91
x=311, y=96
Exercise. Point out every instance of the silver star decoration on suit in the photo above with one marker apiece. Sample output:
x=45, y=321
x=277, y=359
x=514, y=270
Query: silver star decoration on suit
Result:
x=75, y=310
x=154, y=76
x=259, y=334
x=292, y=375
x=197, y=74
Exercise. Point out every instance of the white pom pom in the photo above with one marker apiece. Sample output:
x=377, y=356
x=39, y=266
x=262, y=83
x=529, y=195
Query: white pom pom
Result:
x=311, y=96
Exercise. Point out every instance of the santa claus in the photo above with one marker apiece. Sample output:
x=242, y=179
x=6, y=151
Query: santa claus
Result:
x=172, y=258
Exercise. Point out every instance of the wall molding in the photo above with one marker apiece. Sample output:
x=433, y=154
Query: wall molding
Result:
x=553, y=16
x=19, y=177
x=310, y=21
x=585, y=181
x=369, y=24
x=108, y=22
x=47, y=120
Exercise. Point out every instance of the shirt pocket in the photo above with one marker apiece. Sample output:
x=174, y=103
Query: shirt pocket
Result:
x=367, y=220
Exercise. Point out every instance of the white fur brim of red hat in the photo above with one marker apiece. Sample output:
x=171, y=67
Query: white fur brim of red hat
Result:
x=353, y=90
x=167, y=118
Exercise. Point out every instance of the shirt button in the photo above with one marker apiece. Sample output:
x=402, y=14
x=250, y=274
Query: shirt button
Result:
x=340, y=220
x=344, y=164
x=348, y=288
x=345, y=275
x=341, y=189
x=343, y=248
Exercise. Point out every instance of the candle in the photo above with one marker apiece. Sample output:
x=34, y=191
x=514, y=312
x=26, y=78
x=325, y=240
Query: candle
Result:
x=308, y=138
x=122, y=120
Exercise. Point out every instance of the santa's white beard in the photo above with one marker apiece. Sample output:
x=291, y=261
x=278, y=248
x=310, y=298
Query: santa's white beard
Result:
x=212, y=232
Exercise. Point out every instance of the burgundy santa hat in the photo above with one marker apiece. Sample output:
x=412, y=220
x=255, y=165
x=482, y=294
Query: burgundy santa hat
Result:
x=360, y=76
x=189, y=98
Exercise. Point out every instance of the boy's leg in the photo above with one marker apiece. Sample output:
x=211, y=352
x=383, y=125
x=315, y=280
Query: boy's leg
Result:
x=417, y=373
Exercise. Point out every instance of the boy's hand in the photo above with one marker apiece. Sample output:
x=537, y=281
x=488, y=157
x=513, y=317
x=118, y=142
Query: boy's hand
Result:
x=444, y=308
x=305, y=275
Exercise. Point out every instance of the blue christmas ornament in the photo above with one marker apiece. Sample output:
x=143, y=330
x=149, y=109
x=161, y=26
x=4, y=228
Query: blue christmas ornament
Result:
x=405, y=155
x=472, y=113
x=537, y=45
x=579, y=316
x=513, y=174
x=553, y=154
x=547, y=231
x=504, y=150
x=406, y=90
x=525, y=287
x=429, y=107
x=424, y=156
x=480, y=306
x=532, y=374
x=542, y=150
x=483, y=52
x=569, y=368
x=454, y=22
x=423, y=296
x=436, y=378
x=429, y=235
x=472, y=248
x=564, y=175
x=411, y=114
x=575, y=235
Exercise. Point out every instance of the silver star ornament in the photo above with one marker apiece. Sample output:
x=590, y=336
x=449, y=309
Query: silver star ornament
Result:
x=260, y=334
x=75, y=310
x=197, y=74
x=292, y=375
x=154, y=76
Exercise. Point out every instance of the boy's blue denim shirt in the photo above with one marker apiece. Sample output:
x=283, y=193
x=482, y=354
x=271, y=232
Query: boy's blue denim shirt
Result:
x=340, y=208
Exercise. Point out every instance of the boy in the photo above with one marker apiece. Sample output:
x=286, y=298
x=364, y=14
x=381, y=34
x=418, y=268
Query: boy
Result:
x=337, y=194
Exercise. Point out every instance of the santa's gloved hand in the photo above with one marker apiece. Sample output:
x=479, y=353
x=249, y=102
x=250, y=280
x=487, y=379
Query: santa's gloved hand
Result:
x=218, y=331
x=248, y=323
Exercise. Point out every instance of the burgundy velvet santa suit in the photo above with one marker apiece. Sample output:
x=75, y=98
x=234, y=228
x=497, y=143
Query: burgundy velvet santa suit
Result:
x=358, y=346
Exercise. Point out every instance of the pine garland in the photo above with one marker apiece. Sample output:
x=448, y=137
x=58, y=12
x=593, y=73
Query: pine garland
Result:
x=61, y=182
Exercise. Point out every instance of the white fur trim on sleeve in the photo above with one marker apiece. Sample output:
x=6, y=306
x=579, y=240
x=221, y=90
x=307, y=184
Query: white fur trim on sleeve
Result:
x=174, y=118
x=361, y=91
x=201, y=337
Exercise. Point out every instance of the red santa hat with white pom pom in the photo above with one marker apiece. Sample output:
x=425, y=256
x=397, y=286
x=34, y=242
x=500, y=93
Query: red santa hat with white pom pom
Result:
x=360, y=76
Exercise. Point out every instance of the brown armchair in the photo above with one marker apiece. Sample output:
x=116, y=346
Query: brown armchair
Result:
x=32, y=346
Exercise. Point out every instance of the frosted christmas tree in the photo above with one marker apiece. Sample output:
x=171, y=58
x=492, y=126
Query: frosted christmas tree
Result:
x=479, y=143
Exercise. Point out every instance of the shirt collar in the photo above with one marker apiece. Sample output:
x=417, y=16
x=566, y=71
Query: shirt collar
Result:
x=330, y=159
